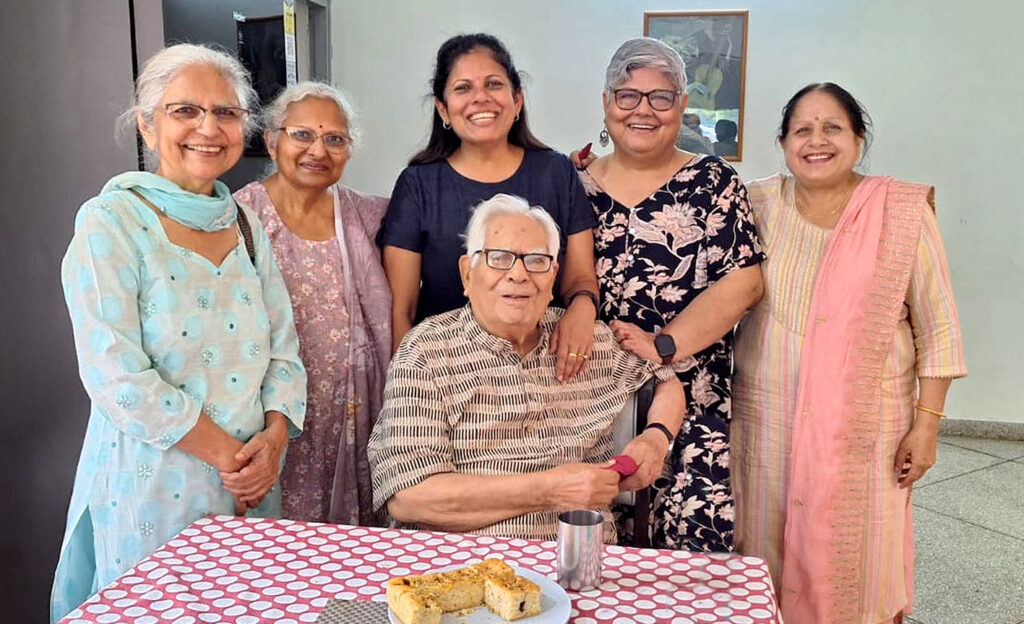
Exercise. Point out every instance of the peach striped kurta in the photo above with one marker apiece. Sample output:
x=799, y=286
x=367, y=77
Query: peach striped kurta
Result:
x=768, y=351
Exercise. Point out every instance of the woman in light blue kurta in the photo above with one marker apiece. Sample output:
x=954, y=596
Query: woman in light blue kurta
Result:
x=174, y=350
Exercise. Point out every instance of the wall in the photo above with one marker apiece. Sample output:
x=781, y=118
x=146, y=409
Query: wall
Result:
x=65, y=91
x=202, y=21
x=942, y=79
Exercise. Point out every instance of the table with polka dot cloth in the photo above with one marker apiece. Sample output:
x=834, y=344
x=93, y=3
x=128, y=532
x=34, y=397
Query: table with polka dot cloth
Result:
x=256, y=571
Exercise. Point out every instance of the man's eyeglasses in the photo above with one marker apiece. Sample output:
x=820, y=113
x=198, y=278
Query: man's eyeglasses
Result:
x=193, y=114
x=306, y=137
x=503, y=260
x=659, y=99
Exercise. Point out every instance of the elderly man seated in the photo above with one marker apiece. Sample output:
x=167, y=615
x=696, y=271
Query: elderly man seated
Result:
x=476, y=434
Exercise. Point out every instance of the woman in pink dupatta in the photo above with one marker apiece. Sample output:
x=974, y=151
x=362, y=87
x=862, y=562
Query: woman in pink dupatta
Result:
x=322, y=234
x=841, y=372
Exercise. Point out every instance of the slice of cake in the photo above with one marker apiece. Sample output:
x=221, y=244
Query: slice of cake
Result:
x=422, y=599
x=412, y=606
x=512, y=597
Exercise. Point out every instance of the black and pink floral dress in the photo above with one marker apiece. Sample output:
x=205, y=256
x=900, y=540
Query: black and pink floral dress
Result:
x=652, y=261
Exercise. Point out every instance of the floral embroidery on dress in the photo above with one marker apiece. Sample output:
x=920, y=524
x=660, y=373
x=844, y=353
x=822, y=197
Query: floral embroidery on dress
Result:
x=652, y=261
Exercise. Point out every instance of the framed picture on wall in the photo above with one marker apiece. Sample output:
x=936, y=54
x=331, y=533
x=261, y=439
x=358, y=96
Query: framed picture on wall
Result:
x=713, y=45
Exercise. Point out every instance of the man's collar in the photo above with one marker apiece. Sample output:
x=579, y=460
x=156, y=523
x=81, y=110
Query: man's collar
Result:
x=492, y=343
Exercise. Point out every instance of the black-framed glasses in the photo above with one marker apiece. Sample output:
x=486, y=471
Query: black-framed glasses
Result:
x=503, y=260
x=306, y=137
x=193, y=114
x=659, y=99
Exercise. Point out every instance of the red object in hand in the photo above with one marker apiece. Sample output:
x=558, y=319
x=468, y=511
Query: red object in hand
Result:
x=624, y=465
x=585, y=152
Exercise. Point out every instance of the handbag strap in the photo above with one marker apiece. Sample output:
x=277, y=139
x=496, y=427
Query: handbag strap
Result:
x=243, y=226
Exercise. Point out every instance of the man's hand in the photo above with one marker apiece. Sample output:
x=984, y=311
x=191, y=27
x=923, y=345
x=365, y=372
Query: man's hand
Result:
x=648, y=450
x=583, y=486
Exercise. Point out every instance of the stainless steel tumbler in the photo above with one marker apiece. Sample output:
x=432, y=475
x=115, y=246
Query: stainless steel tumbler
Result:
x=580, y=548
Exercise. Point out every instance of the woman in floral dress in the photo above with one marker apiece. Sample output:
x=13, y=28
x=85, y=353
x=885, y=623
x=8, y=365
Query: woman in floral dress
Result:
x=322, y=234
x=677, y=258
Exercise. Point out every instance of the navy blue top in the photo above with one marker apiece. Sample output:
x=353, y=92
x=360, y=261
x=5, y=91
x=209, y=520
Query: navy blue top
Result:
x=430, y=210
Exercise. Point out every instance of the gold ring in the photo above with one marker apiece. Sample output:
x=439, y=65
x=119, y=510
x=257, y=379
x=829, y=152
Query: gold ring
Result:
x=585, y=357
x=575, y=355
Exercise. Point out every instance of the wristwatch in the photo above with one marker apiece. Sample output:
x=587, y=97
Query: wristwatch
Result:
x=666, y=347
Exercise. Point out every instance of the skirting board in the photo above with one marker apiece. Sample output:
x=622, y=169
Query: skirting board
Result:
x=991, y=429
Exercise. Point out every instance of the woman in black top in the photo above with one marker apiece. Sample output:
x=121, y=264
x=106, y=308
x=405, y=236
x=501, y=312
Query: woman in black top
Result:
x=480, y=145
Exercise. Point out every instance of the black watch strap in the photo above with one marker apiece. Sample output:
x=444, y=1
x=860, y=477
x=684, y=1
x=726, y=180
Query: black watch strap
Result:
x=589, y=294
x=662, y=428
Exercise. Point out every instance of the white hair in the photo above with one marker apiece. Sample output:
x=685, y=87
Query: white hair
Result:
x=164, y=66
x=645, y=52
x=502, y=204
x=274, y=114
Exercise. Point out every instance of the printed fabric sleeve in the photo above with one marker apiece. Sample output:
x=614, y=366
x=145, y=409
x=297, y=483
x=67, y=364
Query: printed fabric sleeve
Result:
x=411, y=439
x=402, y=222
x=730, y=232
x=932, y=309
x=101, y=279
x=581, y=211
x=284, y=384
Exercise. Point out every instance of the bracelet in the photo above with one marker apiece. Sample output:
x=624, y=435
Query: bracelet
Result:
x=929, y=410
x=585, y=293
x=662, y=428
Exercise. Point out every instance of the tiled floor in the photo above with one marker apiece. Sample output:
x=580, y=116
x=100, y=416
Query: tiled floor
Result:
x=969, y=522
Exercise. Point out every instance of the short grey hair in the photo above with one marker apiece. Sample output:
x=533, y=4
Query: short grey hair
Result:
x=502, y=204
x=274, y=114
x=645, y=52
x=164, y=66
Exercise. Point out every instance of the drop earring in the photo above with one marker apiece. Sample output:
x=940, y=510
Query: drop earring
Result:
x=602, y=138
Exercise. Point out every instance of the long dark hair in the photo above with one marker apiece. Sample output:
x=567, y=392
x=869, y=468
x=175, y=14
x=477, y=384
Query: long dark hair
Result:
x=860, y=121
x=443, y=141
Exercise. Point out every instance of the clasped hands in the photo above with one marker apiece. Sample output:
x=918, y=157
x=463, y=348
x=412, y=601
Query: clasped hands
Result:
x=257, y=464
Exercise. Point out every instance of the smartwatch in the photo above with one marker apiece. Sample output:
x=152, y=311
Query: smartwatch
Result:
x=666, y=347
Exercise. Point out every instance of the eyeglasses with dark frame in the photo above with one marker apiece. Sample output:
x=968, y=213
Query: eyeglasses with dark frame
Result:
x=660, y=100
x=193, y=114
x=504, y=260
x=306, y=137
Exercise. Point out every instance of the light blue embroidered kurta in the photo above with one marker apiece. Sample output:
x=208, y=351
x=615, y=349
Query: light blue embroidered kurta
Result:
x=161, y=334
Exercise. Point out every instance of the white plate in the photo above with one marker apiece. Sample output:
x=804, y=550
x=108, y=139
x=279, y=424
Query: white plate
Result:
x=555, y=606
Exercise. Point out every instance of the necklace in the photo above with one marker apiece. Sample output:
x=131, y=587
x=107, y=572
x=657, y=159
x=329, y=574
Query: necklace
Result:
x=836, y=208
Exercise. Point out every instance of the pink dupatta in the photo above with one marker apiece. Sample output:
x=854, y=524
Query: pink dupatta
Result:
x=859, y=290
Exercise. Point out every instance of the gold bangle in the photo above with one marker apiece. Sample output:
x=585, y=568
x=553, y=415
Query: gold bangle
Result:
x=929, y=410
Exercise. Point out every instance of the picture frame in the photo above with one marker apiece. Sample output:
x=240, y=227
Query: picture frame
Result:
x=713, y=44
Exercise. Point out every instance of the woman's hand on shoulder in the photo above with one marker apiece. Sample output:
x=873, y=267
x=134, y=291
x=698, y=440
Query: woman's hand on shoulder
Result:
x=635, y=340
x=572, y=341
x=583, y=157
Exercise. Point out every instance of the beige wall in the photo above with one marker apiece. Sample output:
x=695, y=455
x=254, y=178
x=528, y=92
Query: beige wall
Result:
x=943, y=81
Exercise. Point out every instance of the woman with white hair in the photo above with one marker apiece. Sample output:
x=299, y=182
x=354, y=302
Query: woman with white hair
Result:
x=183, y=330
x=678, y=261
x=322, y=234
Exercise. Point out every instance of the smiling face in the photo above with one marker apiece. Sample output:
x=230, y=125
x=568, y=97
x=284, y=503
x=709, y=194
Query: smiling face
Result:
x=820, y=146
x=644, y=130
x=310, y=166
x=479, y=102
x=194, y=156
x=509, y=303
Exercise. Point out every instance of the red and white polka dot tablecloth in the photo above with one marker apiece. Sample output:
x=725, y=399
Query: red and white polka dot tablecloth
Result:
x=253, y=571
